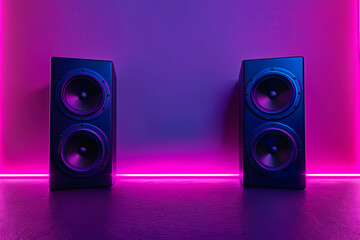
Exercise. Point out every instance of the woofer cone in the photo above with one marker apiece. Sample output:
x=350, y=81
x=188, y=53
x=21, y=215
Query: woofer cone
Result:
x=273, y=148
x=273, y=93
x=82, y=150
x=82, y=94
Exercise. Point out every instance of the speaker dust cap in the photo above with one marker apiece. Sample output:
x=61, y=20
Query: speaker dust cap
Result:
x=82, y=94
x=81, y=150
x=273, y=149
x=273, y=93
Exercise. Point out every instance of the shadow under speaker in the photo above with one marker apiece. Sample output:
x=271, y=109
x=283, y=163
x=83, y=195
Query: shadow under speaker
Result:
x=272, y=123
x=82, y=123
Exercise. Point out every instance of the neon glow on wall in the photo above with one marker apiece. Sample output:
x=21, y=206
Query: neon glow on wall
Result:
x=177, y=65
x=1, y=80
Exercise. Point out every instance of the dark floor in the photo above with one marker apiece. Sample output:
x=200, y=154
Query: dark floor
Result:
x=180, y=209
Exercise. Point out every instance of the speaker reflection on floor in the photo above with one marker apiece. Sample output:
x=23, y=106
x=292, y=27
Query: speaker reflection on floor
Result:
x=82, y=123
x=272, y=130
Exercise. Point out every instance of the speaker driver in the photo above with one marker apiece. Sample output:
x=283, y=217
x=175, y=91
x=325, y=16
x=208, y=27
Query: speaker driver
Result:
x=82, y=150
x=274, y=150
x=273, y=93
x=273, y=147
x=82, y=94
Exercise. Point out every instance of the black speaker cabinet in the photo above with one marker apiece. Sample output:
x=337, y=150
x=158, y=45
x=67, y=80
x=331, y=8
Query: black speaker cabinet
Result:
x=272, y=123
x=82, y=123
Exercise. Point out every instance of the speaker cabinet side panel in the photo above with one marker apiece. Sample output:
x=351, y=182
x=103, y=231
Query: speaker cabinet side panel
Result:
x=303, y=169
x=241, y=84
x=113, y=122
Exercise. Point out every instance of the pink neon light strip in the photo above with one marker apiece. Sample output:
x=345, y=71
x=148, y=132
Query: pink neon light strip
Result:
x=177, y=175
x=189, y=175
x=24, y=175
x=133, y=175
x=333, y=175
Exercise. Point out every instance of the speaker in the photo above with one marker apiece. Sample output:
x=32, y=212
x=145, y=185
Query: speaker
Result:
x=82, y=123
x=272, y=123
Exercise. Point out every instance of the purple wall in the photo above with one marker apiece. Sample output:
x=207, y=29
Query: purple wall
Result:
x=177, y=65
